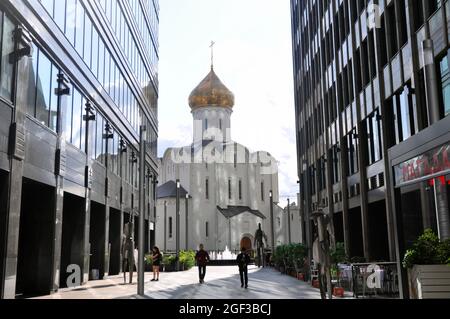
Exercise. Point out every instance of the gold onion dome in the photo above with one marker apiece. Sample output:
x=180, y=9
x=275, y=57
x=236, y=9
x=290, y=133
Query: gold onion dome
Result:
x=211, y=92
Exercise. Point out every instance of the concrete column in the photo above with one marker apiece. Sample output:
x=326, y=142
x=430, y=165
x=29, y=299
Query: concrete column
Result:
x=60, y=166
x=363, y=196
x=424, y=200
x=16, y=152
x=431, y=85
x=106, y=137
x=345, y=206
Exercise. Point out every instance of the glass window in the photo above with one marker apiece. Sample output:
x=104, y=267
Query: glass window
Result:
x=240, y=190
x=31, y=110
x=71, y=8
x=53, y=99
x=43, y=89
x=87, y=41
x=114, y=14
x=79, y=29
x=6, y=67
x=107, y=63
x=101, y=63
x=207, y=189
x=445, y=82
x=262, y=191
x=99, y=138
x=48, y=5
x=170, y=227
x=83, y=125
x=68, y=117
x=94, y=63
x=76, y=119
x=60, y=13
x=405, y=115
x=376, y=137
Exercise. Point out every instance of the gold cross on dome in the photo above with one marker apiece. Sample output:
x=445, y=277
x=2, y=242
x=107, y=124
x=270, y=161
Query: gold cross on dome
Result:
x=212, y=53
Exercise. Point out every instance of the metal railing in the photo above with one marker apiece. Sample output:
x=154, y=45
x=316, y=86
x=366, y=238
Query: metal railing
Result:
x=369, y=280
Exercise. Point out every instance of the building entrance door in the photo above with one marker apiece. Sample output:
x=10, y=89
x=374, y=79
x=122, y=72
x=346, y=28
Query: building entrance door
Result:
x=246, y=243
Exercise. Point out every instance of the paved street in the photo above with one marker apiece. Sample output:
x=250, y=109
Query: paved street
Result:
x=221, y=283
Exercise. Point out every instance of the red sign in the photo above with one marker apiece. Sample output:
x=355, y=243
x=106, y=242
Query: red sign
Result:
x=430, y=163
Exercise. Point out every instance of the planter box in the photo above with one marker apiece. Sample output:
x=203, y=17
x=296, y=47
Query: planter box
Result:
x=429, y=282
x=301, y=277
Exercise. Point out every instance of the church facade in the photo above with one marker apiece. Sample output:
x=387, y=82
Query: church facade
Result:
x=225, y=191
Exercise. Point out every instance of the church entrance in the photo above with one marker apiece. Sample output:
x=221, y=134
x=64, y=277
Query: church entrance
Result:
x=246, y=243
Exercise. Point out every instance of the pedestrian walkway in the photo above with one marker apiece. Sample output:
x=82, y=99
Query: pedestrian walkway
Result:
x=221, y=282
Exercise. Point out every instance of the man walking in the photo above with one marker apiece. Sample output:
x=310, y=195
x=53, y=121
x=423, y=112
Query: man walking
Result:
x=243, y=260
x=202, y=258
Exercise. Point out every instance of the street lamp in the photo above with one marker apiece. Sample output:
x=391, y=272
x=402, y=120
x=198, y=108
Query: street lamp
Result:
x=177, y=221
x=141, y=212
x=187, y=219
x=271, y=222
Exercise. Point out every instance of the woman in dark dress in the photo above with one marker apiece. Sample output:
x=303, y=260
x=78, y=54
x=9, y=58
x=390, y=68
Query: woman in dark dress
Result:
x=157, y=258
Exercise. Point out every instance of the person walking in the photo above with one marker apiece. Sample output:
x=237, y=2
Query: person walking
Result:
x=157, y=258
x=202, y=258
x=243, y=260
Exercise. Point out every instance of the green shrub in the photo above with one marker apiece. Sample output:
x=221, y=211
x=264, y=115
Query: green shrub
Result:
x=338, y=255
x=169, y=260
x=187, y=258
x=148, y=259
x=289, y=253
x=427, y=250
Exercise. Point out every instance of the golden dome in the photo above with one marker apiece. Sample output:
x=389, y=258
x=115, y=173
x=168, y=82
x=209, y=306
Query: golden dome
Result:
x=211, y=92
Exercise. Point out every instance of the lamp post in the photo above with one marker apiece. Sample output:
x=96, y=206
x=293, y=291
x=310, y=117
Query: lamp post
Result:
x=307, y=213
x=271, y=222
x=289, y=219
x=177, y=222
x=141, y=212
x=187, y=219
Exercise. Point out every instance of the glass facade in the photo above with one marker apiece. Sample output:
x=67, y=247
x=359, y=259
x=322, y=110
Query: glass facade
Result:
x=7, y=47
x=374, y=147
x=74, y=20
x=445, y=83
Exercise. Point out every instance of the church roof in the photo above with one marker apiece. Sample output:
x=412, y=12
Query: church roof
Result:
x=169, y=189
x=211, y=92
x=232, y=211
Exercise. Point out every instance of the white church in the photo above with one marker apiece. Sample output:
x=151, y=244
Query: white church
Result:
x=224, y=189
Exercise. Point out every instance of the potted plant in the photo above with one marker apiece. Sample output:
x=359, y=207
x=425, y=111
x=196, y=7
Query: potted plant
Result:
x=428, y=268
x=338, y=256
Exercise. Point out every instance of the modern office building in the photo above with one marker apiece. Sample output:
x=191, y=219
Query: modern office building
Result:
x=372, y=97
x=78, y=79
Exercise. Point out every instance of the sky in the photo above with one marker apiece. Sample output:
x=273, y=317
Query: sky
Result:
x=252, y=57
